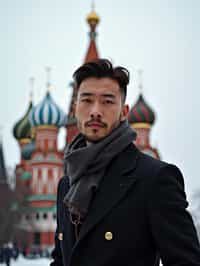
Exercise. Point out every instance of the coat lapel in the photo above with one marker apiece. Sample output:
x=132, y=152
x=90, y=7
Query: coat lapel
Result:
x=114, y=186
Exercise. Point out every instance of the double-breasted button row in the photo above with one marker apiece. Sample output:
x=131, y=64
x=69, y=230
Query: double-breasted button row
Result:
x=108, y=236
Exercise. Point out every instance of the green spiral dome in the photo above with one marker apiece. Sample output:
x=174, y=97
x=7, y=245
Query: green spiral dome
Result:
x=22, y=128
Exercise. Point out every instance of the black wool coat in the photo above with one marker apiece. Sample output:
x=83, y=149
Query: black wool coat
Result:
x=138, y=213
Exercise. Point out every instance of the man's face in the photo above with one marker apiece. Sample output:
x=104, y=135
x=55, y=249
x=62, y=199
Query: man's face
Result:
x=99, y=107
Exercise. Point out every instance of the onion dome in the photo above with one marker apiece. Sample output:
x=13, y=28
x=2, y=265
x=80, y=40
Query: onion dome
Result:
x=47, y=113
x=27, y=150
x=93, y=19
x=22, y=129
x=141, y=112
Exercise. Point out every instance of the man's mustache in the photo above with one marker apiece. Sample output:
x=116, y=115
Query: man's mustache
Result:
x=88, y=123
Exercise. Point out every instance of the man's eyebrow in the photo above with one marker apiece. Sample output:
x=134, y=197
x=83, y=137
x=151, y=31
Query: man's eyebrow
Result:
x=86, y=94
x=109, y=95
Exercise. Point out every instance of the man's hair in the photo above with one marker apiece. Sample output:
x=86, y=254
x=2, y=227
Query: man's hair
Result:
x=103, y=68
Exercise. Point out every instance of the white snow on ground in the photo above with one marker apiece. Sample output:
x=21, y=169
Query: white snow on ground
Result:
x=21, y=261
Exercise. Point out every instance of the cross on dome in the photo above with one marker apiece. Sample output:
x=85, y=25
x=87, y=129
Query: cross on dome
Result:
x=48, y=77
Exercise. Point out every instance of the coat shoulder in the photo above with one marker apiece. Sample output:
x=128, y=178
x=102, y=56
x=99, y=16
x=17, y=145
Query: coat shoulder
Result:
x=155, y=171
x=149, y=167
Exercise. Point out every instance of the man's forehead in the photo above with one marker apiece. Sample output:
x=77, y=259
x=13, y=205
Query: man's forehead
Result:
x=99, y=86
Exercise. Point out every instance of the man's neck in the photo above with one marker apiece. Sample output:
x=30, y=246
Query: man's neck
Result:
x=89, y=143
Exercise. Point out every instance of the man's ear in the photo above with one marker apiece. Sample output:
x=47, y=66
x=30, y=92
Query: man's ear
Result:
x=124, y=112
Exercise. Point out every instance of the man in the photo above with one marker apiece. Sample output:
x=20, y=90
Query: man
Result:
x=117, y=206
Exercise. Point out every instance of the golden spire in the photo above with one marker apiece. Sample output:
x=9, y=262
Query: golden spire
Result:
x=92, y=18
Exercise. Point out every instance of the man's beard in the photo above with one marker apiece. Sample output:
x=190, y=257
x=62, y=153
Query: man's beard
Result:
x=93, y=141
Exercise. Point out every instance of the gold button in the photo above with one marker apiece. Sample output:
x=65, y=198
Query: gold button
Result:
x=108, y=236
x=60, y=236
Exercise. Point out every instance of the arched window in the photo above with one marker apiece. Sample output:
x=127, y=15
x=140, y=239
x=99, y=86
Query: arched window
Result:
x=37, y=216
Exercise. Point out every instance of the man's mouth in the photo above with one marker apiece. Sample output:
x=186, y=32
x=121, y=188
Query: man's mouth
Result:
x=95, y=124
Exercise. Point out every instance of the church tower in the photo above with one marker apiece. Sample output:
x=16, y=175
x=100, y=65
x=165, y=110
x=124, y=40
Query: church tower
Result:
x=23, y=133
x=46, y=169
x=39, y=171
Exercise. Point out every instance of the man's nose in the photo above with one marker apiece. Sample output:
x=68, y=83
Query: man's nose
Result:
x=95, y=111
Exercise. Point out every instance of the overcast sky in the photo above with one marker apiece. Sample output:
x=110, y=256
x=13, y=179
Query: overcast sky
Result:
x=161, y=37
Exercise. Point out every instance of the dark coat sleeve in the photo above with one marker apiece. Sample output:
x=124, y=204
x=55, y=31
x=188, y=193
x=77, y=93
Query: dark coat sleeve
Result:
x=56, y=253
x=171, y=224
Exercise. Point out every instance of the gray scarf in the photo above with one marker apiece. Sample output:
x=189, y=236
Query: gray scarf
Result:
x=86, y=165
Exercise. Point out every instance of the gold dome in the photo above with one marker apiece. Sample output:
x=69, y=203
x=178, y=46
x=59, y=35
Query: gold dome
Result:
x=93, y=18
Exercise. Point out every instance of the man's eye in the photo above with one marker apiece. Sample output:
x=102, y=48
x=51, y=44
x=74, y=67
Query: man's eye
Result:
x=86, y=100
x=108, y=102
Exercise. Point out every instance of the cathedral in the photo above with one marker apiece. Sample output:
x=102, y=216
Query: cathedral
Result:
x=41, y=162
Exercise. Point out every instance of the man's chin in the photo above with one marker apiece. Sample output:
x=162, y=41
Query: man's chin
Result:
x=93, y=139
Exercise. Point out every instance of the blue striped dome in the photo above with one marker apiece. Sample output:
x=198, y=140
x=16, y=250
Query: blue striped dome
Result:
x=48, y=113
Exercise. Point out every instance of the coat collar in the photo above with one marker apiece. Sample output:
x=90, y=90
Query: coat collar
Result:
x=118, y=180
